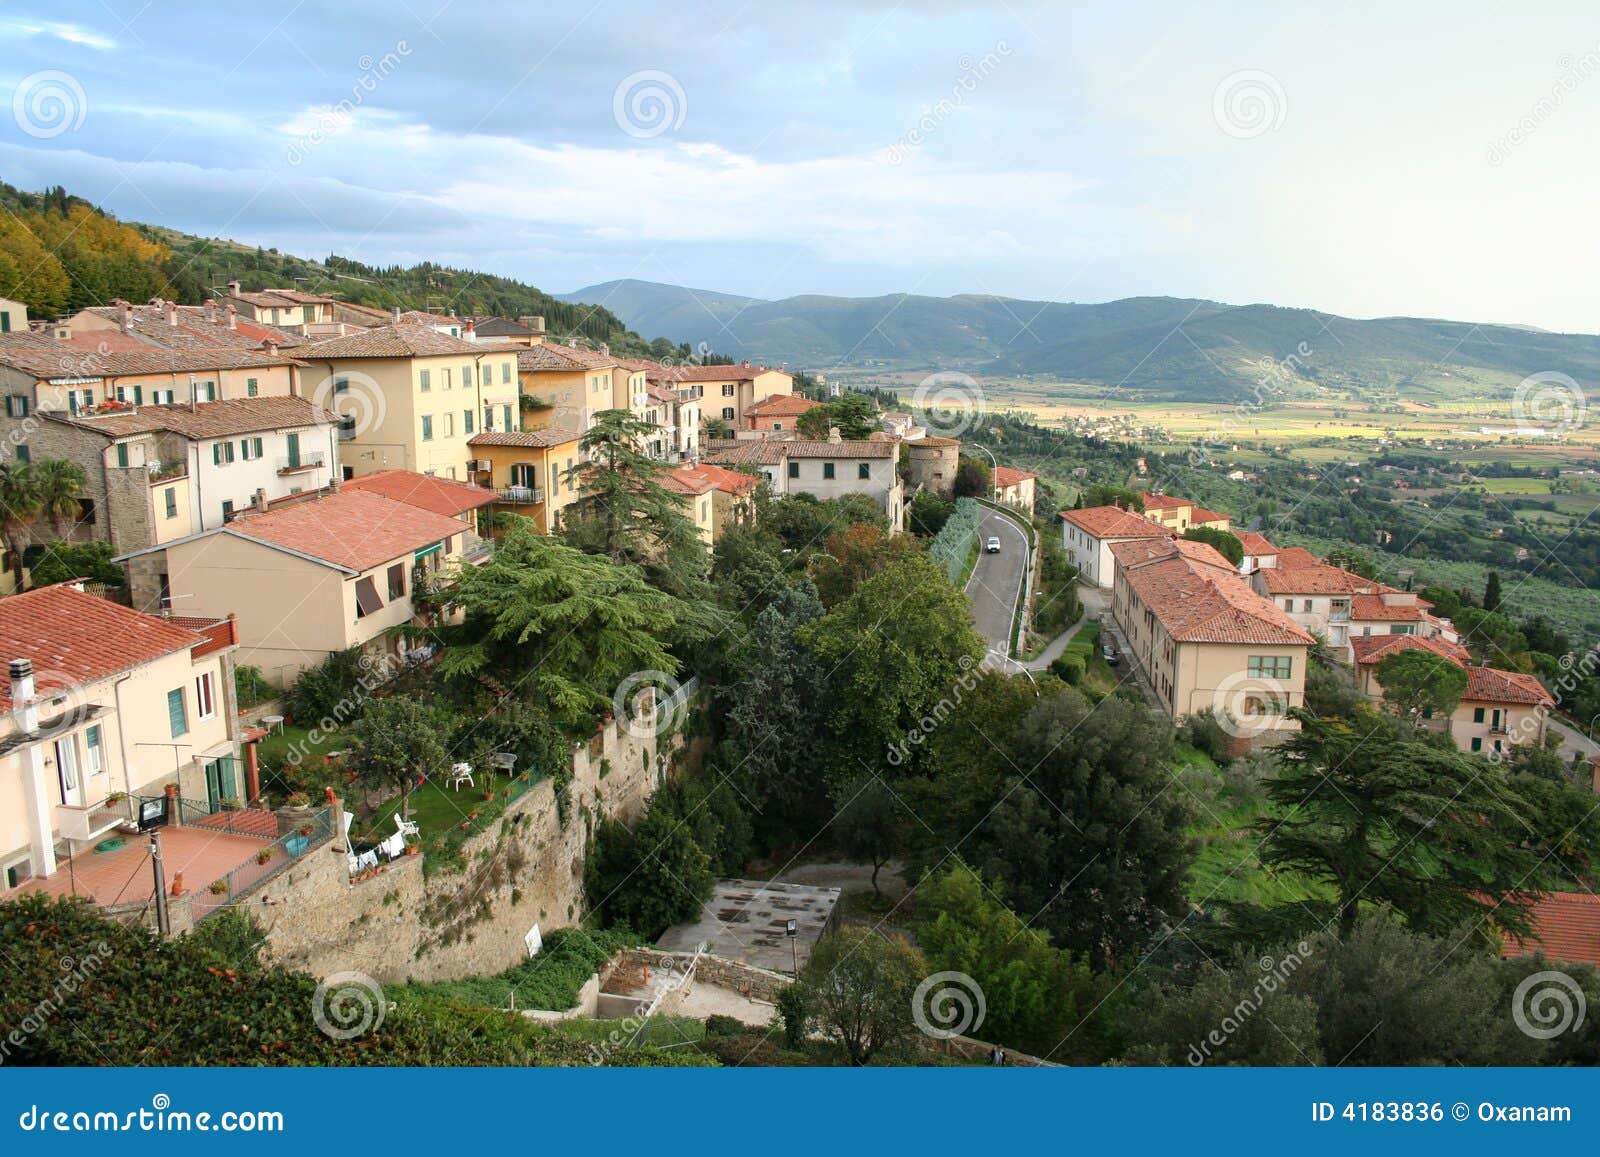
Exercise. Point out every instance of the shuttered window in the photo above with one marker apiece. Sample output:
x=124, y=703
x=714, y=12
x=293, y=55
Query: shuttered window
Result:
x=175, y=713
x=367, y=600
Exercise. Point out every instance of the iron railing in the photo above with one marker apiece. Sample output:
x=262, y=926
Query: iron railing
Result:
x=270, y=861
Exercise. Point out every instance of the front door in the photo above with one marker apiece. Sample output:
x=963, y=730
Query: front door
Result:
x=293, y=441
x=67, y=772
x=524, y=474
x=219, y=782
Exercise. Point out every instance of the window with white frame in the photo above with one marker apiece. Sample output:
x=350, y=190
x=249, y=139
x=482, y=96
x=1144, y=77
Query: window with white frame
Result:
x=205, y=705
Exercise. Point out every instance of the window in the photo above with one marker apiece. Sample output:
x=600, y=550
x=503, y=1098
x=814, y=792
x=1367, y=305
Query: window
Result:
x=864, y=470
x=251, y=388
x=1269, y=666
x=727, y=391
x=122, y=455
x=1477, y=714
x=827, y=469
x=505, y=414
x=367, y=600
x=1305, y=606
x=176, y=716
x=205, y=391
x=425, y=380
x=444, y=378
x=79, y=400
x=727, y=413
x=67, y=768
x=466, y=377
x=449, y=426
x=170, y=494
x=161, y=397
x=221, y=453
x=341, y=385
x=427, y=427
x=1402, y=629
x=249, y=448
x=397, y=581
x=227, y=510
x=505, y=373
x=1477, y=743
x=794, y=470
x=705, y=511
x=466, y=421
x=16, y=405
x=204, y=705
x=488, y=417
x=555, y=481
x=134, y=395
x=86, y=511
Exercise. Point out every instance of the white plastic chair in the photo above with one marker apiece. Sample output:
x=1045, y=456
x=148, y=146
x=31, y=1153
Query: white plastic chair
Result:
x=406, y=827
x=461, y=773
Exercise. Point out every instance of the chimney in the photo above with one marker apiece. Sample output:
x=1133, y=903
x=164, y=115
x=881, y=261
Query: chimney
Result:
x=270, y=348
x=833, y=434
x=172, y=312
x=233, y=315
x=394, y=315
x=469, y=330
x=194, y=388
x=605, y=348
x=211, y=311
x=333, y=483
x=533, y=321
x=260, y=501
x=233, y=289
x=124, y=321
x=22, y=695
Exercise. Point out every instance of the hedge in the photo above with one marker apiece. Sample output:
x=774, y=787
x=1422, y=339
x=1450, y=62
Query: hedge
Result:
x=952, y=546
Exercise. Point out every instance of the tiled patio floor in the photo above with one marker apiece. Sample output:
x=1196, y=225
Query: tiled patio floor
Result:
x=124, y=876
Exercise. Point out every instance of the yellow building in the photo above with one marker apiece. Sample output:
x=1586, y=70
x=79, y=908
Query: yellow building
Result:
x=412, y=398
x=1179, y=514
x=1203, y=640
x=527, y=471
x=568, y=385
x=714, y=498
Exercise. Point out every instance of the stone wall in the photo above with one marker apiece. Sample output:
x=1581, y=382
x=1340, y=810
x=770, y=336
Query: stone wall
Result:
x=526, y=869
x=630, y=968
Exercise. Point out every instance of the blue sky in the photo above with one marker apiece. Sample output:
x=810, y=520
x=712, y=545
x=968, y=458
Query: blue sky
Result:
x=1365, y=158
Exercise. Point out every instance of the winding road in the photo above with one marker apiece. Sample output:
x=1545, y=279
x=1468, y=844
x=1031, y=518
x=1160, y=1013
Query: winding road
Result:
x=996, y=581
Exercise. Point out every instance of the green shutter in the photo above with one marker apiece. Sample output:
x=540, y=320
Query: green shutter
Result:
x=122, y=454
x=175, y=716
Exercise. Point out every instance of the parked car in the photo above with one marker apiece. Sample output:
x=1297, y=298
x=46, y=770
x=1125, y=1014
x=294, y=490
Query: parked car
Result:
x=993, y=545
x=1108, y=652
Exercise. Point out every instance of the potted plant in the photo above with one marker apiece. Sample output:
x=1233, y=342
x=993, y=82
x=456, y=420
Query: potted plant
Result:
x=306, y=830
x=228, y=804
x=264, y=855
x=412, y=849
x=116, y=797
x=298, y=799
x=219, y=887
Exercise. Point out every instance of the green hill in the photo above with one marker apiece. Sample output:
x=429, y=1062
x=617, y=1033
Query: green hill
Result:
x=1160, y=348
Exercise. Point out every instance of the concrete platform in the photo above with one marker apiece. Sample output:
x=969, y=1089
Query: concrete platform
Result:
x=744, y=921
x=123, y=876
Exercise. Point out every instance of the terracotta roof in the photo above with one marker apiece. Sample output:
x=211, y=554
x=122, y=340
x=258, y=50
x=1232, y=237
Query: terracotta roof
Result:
x=728, y=481
x=1492, y=685
x=193, y=329
x=1201, y=514
x=532, y=439
x=781, y=406
x=1294, y=557
x=427, y=491
x=1163, y=501
x=206, y=419
x=697, y=373
x=1372, y=609
x=278, y=298
x=1566, y=928
x=75, y=638
x=1316, y=580
x=751, y=452
x=404, y=340
x=685, y=480
x=935, y=440
x=564, y=359
x=1007, y=476
x=1254, y=544
x=421, y=317
x=1371, y=649
x=662, y=394
x=352, y=529
x=1113, y=522
x=61, y=361
x=801, y=448
x=1202, y=600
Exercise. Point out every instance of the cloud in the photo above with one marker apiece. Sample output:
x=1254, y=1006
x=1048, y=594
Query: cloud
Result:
x=68, y=33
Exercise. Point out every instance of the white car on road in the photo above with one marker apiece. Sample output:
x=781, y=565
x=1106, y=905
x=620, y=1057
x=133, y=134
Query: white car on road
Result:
x=993, y=545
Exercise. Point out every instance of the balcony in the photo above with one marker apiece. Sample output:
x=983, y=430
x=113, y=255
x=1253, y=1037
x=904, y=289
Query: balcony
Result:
x=519, y=495
x=88, y=821
x=299, y=463
x=167, y=471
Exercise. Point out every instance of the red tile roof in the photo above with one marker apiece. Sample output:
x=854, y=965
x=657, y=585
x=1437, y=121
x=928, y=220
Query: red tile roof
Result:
x=695, y=373
x=403, y=340
x=1566, y=928
x=751, y=452
x=1113, y=522
x=1370, y=649
x=207, y=419
x=1163, y=501
x=1372, y=609
x=1317, y=580
x=1201, y=514
x=532, y=439
x=781, y=406
x=1255, y=544
x=562, y=359
x=430, y=492
x=728, y=481
x=352, y=529
x=75, y=638
x=1200, y=601
x=62, y=361
x=1291, y=558
x=1492, y=685
x=1008, y=476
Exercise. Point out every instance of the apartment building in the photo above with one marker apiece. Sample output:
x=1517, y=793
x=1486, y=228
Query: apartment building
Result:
x=714, y=498
x=1259, y=553
x=728, y=391
x=1342, y=606
x=167, y=325
x=824, y=470
x=1088, y=535
x=567, y=385
x=1014, y=488
x=527, y=471
x=1179, y=514
x=412, y=398
x=777, y=414
x=13, y=316
x=283, y=307
x=1204, y=640
x=103, y=705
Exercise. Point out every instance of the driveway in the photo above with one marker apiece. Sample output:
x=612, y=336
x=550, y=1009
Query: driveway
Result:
x=996, y=581
x=1574, y=743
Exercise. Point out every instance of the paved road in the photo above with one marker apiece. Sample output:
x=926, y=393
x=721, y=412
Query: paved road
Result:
x=996, y=581
x=1573, y=741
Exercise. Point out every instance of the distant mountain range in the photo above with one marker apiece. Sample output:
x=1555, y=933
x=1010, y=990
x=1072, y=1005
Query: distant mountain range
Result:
x=1155, y=347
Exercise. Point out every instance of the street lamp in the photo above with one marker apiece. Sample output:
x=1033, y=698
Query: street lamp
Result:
x=994, y=482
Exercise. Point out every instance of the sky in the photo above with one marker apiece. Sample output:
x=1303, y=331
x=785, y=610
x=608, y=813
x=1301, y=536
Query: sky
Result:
x=1370, y=159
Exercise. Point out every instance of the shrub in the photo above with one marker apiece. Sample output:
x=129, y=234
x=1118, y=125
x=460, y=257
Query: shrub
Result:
x=1204, y=733
x=724, y=1026
x=1069, y=669
x=251, y=687
x=795, y=1012
x=330, y=690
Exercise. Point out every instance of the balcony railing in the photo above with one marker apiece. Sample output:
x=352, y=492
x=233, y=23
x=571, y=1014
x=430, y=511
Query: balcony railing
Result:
x=310, y=460
x=520, y=495
x=87, y=821
x=273, y=858
x=167, y=471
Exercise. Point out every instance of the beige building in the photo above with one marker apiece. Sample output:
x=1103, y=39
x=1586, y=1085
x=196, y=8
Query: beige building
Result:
x=932, y=462
x=1204, y=641
x=778, y=414
x=727, y=391
x=1088, y=535
x=715, y=498
x=13, y=316
x=324, y=572
x=412, y=398
x=1015, y=488
x=1179, y=514
x=821, y=469
x=167, y=325
x=102, y=706
x=527, y=471
x=567, y=385
x=1342, y=606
